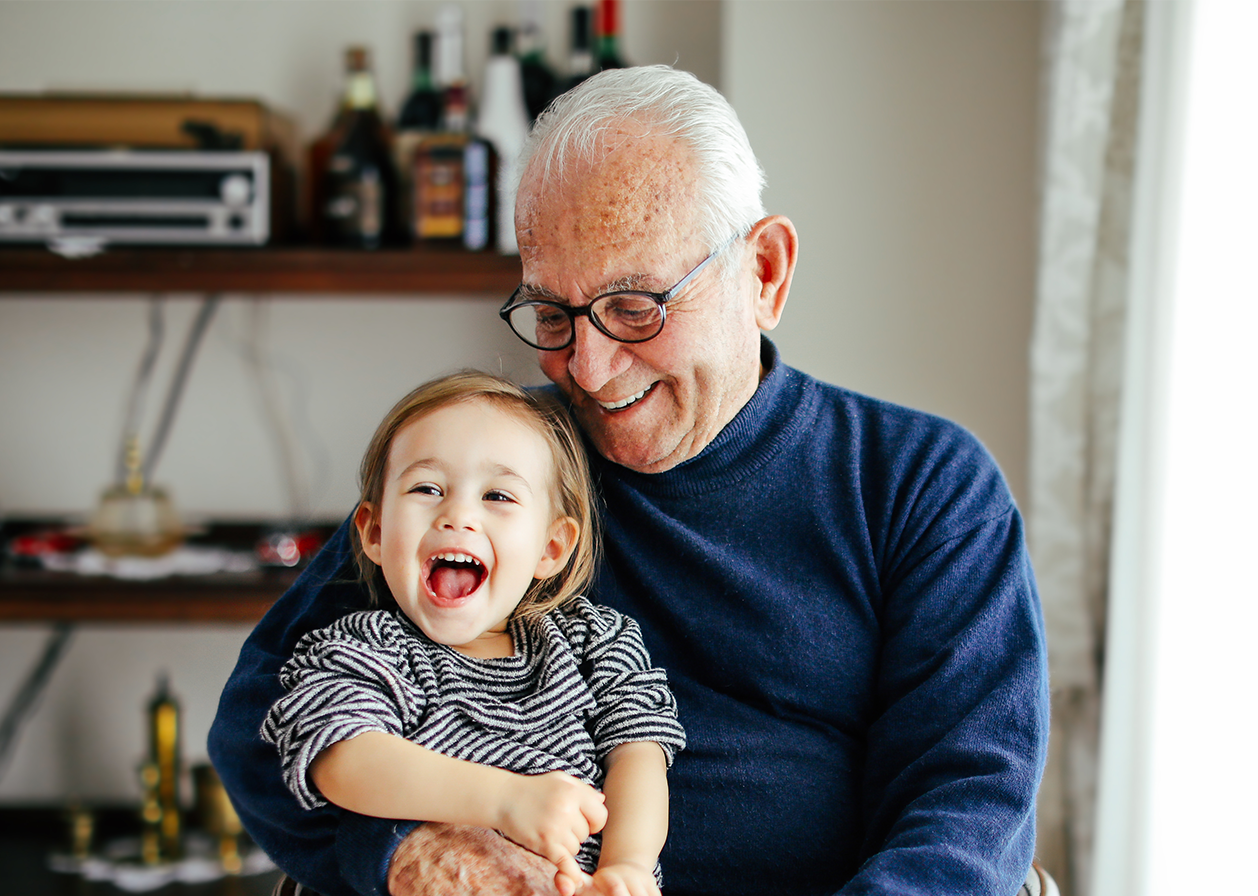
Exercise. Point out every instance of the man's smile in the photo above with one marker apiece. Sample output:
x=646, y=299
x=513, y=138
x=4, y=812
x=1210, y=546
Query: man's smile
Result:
x=624, y=402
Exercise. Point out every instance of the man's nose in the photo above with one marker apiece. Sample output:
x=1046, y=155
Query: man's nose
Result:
x=596, y=358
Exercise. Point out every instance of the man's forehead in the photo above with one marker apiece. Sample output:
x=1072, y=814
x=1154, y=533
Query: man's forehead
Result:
x=638, y=189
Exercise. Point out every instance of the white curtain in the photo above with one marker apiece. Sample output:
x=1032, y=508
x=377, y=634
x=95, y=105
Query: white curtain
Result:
x=1091, y=102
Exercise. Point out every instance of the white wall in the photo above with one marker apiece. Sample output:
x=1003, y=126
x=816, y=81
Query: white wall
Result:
x=898, y=136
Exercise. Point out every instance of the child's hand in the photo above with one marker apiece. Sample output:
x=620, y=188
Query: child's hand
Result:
x=552, y=815
x=625, y=879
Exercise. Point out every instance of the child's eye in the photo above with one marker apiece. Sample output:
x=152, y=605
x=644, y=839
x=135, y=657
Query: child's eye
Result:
x=496, y=495
x=425, y=488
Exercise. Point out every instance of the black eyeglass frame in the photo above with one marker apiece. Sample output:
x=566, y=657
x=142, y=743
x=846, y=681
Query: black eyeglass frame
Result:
x=572, y=312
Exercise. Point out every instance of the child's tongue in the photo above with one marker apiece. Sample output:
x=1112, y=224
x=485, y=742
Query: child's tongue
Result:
x=452, y=583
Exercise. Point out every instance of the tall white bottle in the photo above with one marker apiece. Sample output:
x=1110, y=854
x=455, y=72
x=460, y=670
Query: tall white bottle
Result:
x=503, y=120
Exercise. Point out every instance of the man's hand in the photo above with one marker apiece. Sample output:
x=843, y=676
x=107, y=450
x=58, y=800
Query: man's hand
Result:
x=552, y=814
x=456, y=860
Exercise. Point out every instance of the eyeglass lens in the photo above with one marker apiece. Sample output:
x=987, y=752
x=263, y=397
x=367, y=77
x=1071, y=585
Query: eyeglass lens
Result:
x=627, y=317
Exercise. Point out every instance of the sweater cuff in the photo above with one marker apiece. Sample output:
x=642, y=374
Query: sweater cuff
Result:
x=364, y=848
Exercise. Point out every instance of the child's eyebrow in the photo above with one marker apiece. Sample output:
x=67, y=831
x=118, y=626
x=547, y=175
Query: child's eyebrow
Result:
x=508, y=473
x=422, y=463
x=430, y=463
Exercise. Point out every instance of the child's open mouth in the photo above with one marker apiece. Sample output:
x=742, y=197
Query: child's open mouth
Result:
x=453, y=576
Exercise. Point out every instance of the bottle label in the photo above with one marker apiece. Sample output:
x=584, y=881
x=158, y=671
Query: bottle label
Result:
x=355, y=206
x=438, y=186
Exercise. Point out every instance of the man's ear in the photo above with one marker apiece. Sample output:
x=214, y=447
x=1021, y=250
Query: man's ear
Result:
x=777, y=248
x=562, y=541
x=367, y=522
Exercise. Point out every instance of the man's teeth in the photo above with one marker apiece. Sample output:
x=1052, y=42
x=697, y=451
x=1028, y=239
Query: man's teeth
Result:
x=625, y=402
x=458, y=558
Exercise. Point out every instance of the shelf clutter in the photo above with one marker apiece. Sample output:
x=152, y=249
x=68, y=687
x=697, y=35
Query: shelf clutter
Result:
x=216, y=182
x=32, y=590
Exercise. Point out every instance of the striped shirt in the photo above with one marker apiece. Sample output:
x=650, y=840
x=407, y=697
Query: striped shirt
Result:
x=580, y=683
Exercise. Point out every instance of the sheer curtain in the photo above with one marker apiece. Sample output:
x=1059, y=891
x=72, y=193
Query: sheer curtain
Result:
x=1092, y=101
x=1143, y=496
x=1178, y=776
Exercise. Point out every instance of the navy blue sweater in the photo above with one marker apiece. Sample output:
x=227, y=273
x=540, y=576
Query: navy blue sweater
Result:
x=840, y=593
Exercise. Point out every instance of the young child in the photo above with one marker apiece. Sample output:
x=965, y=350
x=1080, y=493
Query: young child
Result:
x=493, y=695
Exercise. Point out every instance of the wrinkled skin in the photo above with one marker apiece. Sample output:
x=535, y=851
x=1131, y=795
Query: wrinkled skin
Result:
x=455, y=860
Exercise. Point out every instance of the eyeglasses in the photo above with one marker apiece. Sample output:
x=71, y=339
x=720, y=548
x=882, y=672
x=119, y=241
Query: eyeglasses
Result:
x=630, y=315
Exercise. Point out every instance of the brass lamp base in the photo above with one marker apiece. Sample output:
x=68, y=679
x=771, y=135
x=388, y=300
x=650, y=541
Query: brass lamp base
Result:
x=130, y=524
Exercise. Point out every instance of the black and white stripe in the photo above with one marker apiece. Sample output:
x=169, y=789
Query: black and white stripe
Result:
x=580, y=683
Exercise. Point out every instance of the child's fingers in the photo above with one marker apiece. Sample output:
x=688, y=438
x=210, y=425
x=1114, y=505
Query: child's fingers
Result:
x=571, y=875
x=595, y=811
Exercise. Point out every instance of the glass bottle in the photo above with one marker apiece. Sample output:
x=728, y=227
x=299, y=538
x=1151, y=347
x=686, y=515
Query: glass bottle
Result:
x=504, y=122
x=607, y=50
x=361, y=188
x=539, y=80
x=451, y=77
x=581, y=47
x=420, y=118
x=423, y=106
x=438, y=180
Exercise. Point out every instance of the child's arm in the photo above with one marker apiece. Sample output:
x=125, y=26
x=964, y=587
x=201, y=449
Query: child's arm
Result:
x=387, y=776
x=636, y=789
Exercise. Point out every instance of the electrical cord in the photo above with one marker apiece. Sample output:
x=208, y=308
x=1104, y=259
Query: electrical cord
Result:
x=139, y=391
x=27, y=694
x=175, y=392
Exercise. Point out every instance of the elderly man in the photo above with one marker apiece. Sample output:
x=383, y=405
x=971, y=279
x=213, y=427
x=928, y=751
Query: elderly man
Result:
x=838, y=587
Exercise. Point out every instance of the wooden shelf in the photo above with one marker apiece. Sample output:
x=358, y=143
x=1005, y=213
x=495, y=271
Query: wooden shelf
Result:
x=398, y=272
x=34, y=596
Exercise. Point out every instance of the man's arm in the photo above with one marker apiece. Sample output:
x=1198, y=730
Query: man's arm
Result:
x=334, y=852
x=955, y=756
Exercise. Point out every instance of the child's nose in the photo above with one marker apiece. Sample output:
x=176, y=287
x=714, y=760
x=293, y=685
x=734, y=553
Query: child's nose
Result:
x=458, y=514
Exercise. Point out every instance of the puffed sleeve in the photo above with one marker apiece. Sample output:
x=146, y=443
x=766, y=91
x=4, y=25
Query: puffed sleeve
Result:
x=632, y=697
x=353, y=676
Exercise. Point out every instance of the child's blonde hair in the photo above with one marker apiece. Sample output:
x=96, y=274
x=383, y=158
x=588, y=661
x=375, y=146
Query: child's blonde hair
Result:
x=571, y=491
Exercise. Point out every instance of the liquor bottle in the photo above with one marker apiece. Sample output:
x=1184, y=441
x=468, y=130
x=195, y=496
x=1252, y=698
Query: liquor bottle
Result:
x=164, y=738
x=420, y=117
x=437, y=177
x=423, y=106
x=451, y=78
x=318, y=155
x=361, y=188
x=539, y=80
x=581, y=48
x=504, y=121
x=607, y=50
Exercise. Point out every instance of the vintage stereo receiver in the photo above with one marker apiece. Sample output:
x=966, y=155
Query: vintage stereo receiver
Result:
x=137, y=197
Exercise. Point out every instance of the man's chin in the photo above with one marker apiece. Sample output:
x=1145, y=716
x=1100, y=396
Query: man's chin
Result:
x=639, y=452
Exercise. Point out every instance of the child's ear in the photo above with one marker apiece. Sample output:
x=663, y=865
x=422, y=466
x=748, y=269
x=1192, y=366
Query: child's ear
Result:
x=562, y=540
x=366, y=520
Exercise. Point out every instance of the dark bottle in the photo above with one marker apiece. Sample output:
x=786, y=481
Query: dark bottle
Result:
x=606, y=50
x=581, y=47
x=540, y=82
x=422, y=109
x=361, y=187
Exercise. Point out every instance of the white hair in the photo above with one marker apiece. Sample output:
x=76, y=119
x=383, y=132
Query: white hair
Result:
x=668, y=103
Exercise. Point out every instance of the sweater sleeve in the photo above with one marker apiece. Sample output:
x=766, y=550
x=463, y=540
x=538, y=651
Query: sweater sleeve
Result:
x=350, y=677
x=334, y=852
x=956, y=750
x=632, y=697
